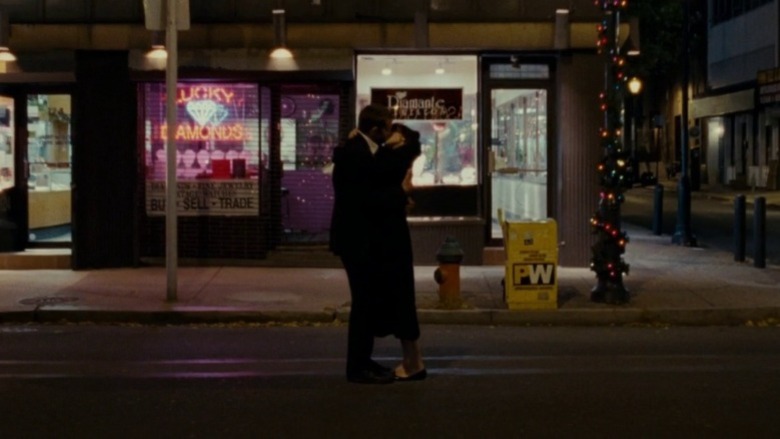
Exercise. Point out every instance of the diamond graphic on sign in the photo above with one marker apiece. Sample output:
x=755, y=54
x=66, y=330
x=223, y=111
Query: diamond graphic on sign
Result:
x=219, y=115
x=202, y=111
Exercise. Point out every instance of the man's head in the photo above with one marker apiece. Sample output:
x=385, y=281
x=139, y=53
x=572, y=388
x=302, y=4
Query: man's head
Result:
x=375, y=122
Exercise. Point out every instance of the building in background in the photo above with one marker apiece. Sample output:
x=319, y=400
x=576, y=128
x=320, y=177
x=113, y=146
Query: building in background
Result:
x=506, y=99
x=738, y=114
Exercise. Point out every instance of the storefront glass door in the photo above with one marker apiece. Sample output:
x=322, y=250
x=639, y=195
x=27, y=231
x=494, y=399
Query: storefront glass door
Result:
x=49, y=168
x=518, y=155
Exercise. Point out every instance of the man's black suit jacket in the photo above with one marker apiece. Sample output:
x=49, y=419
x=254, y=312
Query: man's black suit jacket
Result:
x=369, y=210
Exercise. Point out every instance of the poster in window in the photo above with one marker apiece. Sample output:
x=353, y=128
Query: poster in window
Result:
x=421, y=103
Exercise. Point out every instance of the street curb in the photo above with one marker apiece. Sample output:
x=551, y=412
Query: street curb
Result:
x=711, y=317
x=558, y=317
x=569, y=317
x=166, y=317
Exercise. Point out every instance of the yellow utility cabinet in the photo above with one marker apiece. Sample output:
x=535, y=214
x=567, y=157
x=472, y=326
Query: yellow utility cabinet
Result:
x=531, y=275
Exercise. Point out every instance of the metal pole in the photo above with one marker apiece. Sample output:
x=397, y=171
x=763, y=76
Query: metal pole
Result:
x=634, y=118
x=607, y=259
x=657, y=148
x=739, y=228
x=658, y=209
x=171, y=230
x=682, y=234
x=634, y=164
x=759, y=232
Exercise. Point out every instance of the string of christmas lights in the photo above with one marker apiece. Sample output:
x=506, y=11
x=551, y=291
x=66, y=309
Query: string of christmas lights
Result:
x=607, y=253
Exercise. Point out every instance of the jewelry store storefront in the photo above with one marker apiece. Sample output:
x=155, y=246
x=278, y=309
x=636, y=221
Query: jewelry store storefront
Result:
x=510, y=132
x=254, y=148
x=484, y=145
x=252, y=161
x=35, y=167
x=246, y=189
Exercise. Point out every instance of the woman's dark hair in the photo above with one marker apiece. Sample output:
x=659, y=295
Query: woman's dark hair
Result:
x=405, y=131
x=373, y=115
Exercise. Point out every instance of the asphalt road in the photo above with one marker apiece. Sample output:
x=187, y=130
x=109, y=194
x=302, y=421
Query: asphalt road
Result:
x=712, y=221
x=134, y=381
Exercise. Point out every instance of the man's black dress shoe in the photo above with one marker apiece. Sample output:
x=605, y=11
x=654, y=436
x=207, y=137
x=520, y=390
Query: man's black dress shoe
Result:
x=370, y=377
x=375, y=367
x=417, y=376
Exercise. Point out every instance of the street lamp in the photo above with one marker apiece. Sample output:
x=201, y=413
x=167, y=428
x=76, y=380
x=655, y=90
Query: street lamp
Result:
x=280, y=50
x=158, y=50
x=635, y=85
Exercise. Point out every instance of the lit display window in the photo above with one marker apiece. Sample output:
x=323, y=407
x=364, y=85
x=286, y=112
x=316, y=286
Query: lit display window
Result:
x=6, y=143
x=217, y=148
x=437, y=96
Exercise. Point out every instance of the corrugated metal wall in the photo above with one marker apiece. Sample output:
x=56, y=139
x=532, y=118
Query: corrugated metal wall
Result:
x=581, y=79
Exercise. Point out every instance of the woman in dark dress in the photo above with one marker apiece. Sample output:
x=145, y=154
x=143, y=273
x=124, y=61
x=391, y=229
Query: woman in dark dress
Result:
x=398, y=290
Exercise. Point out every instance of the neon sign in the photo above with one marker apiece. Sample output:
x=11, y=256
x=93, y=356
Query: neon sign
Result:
x=208, y=108
x=194, y=132
x=204, y=92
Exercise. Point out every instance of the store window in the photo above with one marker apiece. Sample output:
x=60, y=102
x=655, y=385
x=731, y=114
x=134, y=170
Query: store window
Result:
x=716, y=149
x=49, y=167
x=437, y=96
x=217, y=149
x=6, y=144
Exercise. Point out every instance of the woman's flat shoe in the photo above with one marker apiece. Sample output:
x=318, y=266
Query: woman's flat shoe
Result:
x=417, y=376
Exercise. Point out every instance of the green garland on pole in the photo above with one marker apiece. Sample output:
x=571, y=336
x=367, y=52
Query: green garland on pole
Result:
x=607, y=253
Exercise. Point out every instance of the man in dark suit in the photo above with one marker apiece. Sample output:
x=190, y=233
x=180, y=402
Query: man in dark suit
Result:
x=370, y=234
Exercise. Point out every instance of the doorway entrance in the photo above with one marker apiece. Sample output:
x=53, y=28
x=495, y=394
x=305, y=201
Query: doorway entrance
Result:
x=517, y=155
x=48, y=161
x=310, y=118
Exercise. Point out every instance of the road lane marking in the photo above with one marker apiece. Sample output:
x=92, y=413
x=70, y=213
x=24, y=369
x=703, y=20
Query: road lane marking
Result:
x=454, y=365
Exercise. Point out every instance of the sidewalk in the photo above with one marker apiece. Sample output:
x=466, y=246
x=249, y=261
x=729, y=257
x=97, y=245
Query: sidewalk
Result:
x=669, y=284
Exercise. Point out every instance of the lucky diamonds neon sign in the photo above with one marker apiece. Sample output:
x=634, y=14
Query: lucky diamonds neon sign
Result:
x=207, y=106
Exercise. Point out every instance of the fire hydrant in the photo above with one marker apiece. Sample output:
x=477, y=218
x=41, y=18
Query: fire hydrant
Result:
x=449, y=256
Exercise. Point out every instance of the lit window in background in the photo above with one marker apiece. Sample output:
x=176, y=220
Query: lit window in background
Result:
x=449, y=143
x=6, y=143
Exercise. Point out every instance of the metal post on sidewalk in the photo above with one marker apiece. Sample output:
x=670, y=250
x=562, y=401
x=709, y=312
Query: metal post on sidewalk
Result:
x=171, y=220
x=739, y=228
x=683, y=234
x=759, y=232
x=170, y=16
x=658, y=209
